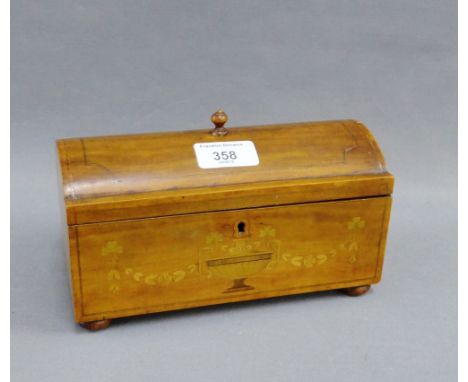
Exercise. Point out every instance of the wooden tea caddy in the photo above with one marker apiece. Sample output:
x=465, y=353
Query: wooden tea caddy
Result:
x=150, y=230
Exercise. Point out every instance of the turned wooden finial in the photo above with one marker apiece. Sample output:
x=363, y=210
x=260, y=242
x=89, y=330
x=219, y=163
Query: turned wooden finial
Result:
x=219, y=118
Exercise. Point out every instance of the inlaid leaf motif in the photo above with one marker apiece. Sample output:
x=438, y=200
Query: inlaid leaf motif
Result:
x=286, y=256
x=310, y=261
x=353, y=246
x=178, y=275
x=297, y=261
x=356, y=223
x=192, y=268
x=113, y=288
x=165, y=279
x=137, y=276
x=151, y=279
x=111, y=247
x=321, y=258
x=113, y=274
x=352, y=259
x=267, y=231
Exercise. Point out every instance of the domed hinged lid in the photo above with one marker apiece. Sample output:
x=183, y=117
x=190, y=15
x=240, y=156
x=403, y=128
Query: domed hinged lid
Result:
x=148, y=175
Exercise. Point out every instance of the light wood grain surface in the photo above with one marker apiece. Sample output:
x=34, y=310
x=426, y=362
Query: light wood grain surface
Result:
x=137, y=176
x=150, y=231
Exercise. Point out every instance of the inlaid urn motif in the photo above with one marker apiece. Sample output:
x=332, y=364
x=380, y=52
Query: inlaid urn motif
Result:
x=240, y=258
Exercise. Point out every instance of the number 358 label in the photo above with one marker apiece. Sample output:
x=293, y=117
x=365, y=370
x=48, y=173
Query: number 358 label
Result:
x=226, y=154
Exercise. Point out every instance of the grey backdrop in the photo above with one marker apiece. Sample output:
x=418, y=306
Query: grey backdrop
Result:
x=84, y=67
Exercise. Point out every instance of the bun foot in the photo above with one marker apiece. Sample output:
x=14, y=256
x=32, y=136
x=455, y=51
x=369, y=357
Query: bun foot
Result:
x=96, y=325
x=356, y=291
